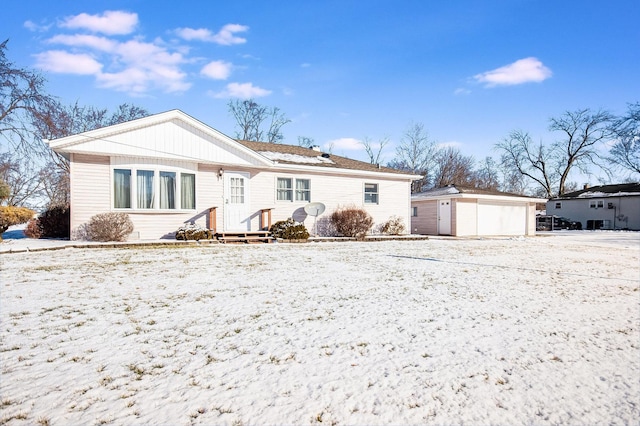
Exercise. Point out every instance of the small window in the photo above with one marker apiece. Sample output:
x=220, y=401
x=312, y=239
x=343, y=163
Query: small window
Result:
x=188, y=191
x=284, y=191
x=371, y=193
x=592, y=204
x=600, y=204
x=303, y=190
x=414, y=211
x=558, y=205
x=121, y=189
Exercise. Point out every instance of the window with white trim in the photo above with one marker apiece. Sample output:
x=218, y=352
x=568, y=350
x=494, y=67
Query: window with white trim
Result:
x=371, y=193
x=284, y=190
x=596, y=204
x=153, y=189
x=558, y=204
x=290, y=189
x=303, y=190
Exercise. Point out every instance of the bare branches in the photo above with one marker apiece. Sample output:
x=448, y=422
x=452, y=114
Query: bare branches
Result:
x=625, y=152
x=250, y=117
x=374, y=150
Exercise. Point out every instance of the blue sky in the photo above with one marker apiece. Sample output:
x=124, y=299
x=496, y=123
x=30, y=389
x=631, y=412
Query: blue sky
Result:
x=470, y=71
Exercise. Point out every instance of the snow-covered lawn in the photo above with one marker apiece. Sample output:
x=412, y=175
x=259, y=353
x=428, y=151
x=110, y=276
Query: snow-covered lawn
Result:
x=542, y=330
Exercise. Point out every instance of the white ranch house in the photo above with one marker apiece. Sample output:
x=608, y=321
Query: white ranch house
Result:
x=168, y=169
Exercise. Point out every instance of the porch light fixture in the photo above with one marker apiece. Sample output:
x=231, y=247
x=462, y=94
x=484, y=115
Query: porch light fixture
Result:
x=220, y=173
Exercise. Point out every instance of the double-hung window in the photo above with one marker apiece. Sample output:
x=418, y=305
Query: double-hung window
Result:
x=284, y=191
x=596, y=204
x=153, y=189
x=371, y=193
x=303, y=190
x=290, y=189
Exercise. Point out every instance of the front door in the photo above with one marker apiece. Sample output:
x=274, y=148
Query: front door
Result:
x=444, y=217
x=236, y=201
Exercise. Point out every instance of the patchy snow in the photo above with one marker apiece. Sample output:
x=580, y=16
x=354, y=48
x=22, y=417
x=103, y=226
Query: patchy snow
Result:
x=541, y=330
x=294, y=158
x=600, y=194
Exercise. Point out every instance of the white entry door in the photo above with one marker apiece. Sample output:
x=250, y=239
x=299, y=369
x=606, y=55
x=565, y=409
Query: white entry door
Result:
x=236, y=201
x=444, y=217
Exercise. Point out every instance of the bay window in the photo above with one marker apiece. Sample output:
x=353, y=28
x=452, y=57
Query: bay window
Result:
x=153, y=189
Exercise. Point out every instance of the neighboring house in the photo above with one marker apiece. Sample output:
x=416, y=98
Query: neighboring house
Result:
x=169, y=169
x=601, y=207
x=463, y=211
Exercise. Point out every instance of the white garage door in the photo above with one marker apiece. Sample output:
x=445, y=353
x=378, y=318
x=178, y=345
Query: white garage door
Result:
x=495, y=218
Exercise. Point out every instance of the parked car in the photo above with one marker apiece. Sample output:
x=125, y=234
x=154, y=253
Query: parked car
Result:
x=544, y=223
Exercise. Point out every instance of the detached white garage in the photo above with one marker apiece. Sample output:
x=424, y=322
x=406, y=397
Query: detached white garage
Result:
x=464, y=211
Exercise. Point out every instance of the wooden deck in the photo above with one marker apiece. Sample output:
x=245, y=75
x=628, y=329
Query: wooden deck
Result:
x=244, y=237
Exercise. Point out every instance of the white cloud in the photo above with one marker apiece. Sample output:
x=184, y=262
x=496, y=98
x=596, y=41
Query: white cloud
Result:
x=242, y=90
x=112, y=22
x=461, y=91
x=226, y=36
x=347, y=144
x=32, y=26
x=521, y=71
x=68, y=63
x=84, y=40
x=217, y=70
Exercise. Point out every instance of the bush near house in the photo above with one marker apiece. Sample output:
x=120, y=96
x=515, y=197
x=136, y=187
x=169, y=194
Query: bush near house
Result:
x=55, y=222
x=289, y=230
x=109, y=227
x=352, y=222
x=10, y=215
x=33, y=229
x=393, y=226
x=191, y=231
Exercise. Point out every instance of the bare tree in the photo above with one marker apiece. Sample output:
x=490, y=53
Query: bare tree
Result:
x=519, y=154
x=306, y=141
x=583, y=131
x=487, y=175
x=453, y=168
x=415, y=154
x=625, y=153
x=374, y=150
x=22, y=94
x=250, y=119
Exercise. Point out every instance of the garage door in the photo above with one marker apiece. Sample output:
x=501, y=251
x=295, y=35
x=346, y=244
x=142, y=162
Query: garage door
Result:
x=495, y=218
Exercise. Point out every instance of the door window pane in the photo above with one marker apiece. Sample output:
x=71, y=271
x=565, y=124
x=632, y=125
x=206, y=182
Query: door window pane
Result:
x=237, y=190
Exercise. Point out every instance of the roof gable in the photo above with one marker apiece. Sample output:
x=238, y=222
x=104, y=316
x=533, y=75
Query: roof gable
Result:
x=170, y=135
